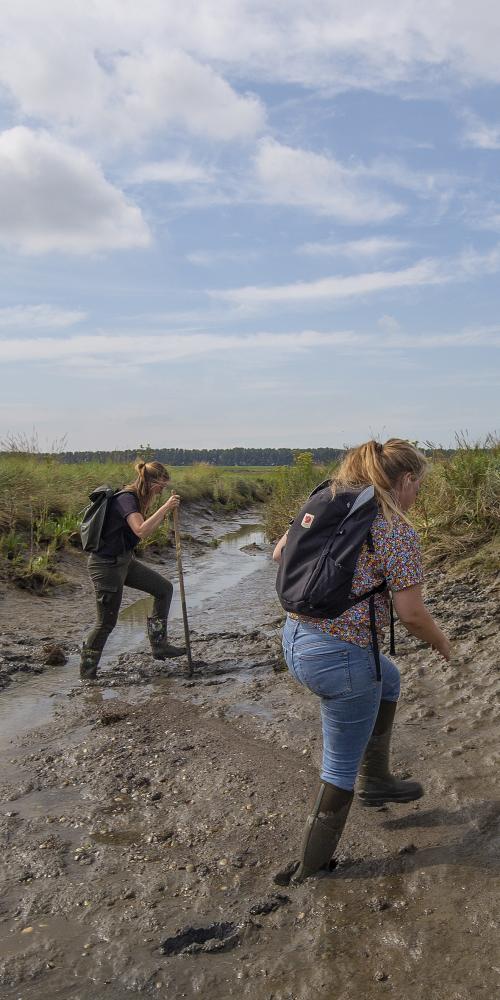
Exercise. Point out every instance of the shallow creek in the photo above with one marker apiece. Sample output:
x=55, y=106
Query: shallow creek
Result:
x=29, y=702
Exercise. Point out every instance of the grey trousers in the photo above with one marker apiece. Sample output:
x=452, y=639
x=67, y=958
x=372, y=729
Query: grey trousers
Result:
x=110, y=574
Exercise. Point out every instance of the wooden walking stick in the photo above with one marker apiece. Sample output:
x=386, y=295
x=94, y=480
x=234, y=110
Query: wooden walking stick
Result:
x=181, y=588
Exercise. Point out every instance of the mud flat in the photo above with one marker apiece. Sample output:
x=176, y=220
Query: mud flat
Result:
x=142, y=820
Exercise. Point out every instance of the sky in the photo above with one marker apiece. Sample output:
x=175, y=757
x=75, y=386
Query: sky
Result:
x=245, y=222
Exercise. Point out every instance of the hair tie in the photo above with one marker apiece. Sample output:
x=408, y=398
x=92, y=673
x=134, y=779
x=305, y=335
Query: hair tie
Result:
x=379, y=447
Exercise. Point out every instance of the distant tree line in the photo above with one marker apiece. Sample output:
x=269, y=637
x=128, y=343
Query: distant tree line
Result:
x=213, y=456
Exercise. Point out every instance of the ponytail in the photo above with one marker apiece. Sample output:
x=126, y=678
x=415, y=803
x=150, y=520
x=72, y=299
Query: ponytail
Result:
x=380, y=465
x=148, y=475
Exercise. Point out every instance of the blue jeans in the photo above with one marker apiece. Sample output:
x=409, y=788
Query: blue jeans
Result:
x=344, y=677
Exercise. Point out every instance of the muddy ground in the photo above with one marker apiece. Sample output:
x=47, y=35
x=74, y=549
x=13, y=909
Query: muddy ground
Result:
x=142, y=824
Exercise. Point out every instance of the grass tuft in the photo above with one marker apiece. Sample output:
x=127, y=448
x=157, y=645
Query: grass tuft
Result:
x=457, y=512
x=291, y=487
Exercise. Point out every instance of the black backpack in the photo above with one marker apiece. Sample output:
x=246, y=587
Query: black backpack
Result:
x=94, y=516
x=319, y=559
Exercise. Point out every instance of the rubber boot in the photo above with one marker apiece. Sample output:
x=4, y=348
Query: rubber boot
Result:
x=161, y=648
x=89, y=661
x=323, y=830
x=376, y=784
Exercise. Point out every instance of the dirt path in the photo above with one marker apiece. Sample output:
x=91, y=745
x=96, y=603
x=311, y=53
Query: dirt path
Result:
x=154, y=805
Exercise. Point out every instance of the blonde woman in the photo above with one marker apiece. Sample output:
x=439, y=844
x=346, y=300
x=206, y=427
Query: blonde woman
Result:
x=335, y=658
x=114, y=565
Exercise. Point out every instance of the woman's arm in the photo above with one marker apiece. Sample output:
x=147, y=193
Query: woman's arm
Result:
x=280, y=546
x=411, y=610
x=144, y=528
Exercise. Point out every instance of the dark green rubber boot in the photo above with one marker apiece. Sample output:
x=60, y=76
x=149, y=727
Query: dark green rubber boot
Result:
x=161, y=648
x=376, y=784
x=89, y=661
x=323, y=830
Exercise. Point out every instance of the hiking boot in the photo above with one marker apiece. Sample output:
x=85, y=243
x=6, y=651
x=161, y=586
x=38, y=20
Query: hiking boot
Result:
x=89, y=660
x=376, y=784
x=161, y=648
x=323, y=830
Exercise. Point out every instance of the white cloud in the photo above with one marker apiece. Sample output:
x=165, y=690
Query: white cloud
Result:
x=181, y=171
x=372, y=246
x=118, y=70
x=471, y=263
x=480, y=134
x=345, y=44
x=98, y=352
x=115, y=75
x=490, y=221
x=203, y=258
x=207, y=258
x=54, y=197
x=160, y=347
x=425, y=184
x=426, y=272
x=389, y=324
x=290, y=176
x=39, y=317
x=430, y=271
x=158, y=88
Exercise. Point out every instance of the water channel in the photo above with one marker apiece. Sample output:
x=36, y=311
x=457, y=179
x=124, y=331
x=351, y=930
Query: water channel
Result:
x=30, y=700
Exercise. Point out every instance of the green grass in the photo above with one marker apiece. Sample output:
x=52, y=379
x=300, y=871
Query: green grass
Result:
x=458, y=509
x=292, y=485
x=41, y=500
x=457, y=513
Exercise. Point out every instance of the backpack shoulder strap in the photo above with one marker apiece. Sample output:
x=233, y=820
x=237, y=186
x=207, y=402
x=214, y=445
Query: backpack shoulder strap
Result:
x=364, y=497
x=321, y=486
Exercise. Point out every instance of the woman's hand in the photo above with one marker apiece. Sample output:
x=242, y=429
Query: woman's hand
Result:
x=171, y=503
x=144, y=528
x=279, y=547
x=412, y=612
x=444, y=648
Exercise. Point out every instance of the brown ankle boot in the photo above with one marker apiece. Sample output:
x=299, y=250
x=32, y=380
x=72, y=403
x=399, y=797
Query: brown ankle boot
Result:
x=376, y=784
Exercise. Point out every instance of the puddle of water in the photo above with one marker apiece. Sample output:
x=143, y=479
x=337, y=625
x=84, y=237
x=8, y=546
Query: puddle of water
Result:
x=30, y=701
x=116, y=838
x=53, y=801
x=26, y=936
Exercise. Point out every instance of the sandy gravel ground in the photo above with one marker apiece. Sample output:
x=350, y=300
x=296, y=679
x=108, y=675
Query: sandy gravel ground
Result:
x=141, y=827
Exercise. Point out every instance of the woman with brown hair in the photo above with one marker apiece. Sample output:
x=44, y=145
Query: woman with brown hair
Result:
x=338, y=658
x=114, y=565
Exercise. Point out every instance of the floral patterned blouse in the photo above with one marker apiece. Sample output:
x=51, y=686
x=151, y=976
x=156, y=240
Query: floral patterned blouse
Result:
x=396, y=558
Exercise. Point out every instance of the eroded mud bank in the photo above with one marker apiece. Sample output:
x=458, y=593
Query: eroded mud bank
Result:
x=142, y=823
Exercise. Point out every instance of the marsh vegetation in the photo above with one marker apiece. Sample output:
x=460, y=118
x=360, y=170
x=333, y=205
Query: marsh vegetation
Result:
x=41, y=500
x=457, y=512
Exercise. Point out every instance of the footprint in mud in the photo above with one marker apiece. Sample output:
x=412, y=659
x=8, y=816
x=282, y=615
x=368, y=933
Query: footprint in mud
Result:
x=192, y=940
x=218, y=936
x=269, y=905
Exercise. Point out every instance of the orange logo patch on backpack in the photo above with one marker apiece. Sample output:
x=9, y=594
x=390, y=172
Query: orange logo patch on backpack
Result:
x=307, y=520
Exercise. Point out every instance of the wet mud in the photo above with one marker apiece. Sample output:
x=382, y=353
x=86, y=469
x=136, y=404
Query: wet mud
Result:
x=143, y=818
